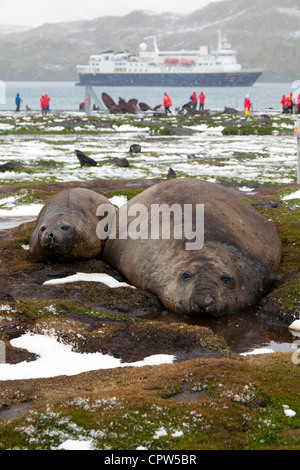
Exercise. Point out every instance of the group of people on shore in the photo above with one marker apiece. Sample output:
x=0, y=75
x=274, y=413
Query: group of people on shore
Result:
x=45, y=104
x=193, y=99
x=44, y=100
x=290, y=104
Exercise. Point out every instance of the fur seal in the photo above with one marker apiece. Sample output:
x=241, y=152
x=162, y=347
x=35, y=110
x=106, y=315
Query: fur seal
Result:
x=66, y=227
x=84, y=159
x=233, y=269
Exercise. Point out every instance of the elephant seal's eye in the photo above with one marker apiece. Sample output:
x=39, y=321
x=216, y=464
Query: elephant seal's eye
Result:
x=65, y=227
x=226, y=279
x=43, y=229
x=186, y=276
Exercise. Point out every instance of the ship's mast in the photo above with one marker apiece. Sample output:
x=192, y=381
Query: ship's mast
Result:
x=220, y=41
x=223, y=42
x=156, y=50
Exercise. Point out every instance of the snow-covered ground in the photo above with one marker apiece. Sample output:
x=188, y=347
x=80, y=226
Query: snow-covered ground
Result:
x=265, y=159
x=207, y=154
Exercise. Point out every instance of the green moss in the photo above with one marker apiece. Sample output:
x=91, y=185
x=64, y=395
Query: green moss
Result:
x=285, y=298
x=129, y=193
x=243, y=410
x=27, y=196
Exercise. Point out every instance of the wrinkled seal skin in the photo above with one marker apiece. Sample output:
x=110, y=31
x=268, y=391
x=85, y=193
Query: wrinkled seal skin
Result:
x=231, y=272
x=66, y=227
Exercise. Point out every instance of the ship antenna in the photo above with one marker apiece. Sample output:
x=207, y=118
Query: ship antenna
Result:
x=220, y=40
x=154, y=43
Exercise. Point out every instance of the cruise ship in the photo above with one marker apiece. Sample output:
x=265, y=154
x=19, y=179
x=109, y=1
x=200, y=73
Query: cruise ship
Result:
x=217, y=68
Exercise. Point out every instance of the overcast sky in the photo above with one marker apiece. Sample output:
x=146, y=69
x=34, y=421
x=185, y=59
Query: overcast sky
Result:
x=38, y=12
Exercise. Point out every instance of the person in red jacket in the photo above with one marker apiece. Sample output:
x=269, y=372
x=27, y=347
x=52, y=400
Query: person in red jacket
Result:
x=289, y=104
x=283, y=102
x=247, y=105
x=47, y=102
x=194, y=100
x=167, y=103
x=43, y=104
x=298, y=104
x=201, y=101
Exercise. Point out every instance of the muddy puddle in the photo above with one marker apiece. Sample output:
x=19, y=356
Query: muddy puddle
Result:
x=14, y=411
x=243, y=332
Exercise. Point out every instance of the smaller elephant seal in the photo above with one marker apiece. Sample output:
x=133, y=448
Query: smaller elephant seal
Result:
x=66, y=226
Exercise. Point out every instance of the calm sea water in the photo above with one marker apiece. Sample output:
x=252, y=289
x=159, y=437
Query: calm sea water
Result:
x=67, y=96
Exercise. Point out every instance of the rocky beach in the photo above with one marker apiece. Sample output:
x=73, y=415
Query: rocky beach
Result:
x=163, y=381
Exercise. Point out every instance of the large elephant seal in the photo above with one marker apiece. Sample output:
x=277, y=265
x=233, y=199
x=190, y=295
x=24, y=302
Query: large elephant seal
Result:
x=233, y=269
x=66, y=226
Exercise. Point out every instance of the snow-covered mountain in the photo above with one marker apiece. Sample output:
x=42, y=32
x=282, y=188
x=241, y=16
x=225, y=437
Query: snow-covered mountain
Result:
x=266, y=34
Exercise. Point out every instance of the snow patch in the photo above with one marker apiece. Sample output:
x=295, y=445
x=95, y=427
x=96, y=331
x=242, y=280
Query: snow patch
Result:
x=73, y=444
x=90, y=277
x=294, y=12
x=288, y=412
x=258, y=351
x=57, y=359
x=295, y=195
x=295, y=326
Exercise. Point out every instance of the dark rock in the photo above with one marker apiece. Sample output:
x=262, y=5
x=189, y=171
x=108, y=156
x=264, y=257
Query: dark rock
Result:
x=269, y=204
x=231, y=111
x=135, y=148
x=179, y=131
x=144, y=107
x=11, y=166
x=122, y=162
